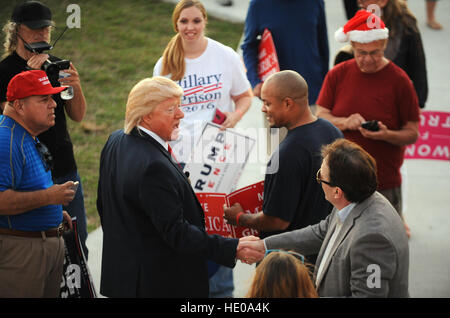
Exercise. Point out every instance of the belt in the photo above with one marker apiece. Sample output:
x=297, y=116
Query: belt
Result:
x=54, y=232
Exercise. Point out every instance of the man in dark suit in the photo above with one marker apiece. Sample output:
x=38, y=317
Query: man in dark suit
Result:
x=363, y=249
x=154, y=244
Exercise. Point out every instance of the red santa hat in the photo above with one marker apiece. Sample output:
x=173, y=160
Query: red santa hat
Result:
x=364, y=27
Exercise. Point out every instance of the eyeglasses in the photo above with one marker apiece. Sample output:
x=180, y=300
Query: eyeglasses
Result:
x=297, y=255
x=45, y=155
x=319, y=179
x=372, y=54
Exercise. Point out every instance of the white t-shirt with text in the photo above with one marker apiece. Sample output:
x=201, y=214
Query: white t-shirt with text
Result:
x=209, y=82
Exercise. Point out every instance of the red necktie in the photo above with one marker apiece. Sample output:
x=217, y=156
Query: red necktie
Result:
x=186, y=173
x=172, y=154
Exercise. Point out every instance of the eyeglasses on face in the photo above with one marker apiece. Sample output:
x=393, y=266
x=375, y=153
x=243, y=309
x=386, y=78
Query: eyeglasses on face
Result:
x=372, y=54
x=319, y=179
x=297, y=255
x=45, y=155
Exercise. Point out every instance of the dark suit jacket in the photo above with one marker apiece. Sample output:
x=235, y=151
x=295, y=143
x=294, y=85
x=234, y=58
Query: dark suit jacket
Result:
x=154, y=239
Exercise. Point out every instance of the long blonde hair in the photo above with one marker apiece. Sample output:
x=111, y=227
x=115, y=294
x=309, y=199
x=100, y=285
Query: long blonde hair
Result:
x=11, y=29
x=173, y=56
x=145, y=96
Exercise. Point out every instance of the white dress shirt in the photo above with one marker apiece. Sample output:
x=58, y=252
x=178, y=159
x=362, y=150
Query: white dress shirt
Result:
x=342, y=215
x=155, y=136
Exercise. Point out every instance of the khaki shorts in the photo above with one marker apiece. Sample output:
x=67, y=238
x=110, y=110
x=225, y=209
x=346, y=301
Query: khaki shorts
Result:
x=30, y=267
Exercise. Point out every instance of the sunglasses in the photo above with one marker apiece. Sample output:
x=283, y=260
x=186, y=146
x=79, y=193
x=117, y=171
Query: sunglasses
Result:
x=297, y=255
x=45, y=155
x=319, y=179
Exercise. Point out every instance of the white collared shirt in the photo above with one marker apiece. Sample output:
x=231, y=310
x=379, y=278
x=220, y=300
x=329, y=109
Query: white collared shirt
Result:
x=155, y=136
x=343, y=213
x=341, y=216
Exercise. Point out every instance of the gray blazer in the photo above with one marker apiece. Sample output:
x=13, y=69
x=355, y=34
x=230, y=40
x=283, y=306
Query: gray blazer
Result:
x=370, y=257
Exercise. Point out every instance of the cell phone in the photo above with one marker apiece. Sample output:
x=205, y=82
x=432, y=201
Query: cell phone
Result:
x=219, y=117
x=371, y=125
x=75, y=186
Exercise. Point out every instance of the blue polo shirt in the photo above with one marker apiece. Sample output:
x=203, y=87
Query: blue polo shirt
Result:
x=22, y=169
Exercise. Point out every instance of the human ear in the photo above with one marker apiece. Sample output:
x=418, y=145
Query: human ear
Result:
x=18, y=106
x=338, y=193
x=288, y=102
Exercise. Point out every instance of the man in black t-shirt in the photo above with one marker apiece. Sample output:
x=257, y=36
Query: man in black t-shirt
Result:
x=292, y=197
x=30, y=23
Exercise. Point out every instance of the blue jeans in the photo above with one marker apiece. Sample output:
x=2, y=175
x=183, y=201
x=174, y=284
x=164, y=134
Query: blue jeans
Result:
x=221, y=283
x=76, y=208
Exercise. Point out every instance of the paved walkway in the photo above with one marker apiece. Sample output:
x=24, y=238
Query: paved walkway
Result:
x=427, y=182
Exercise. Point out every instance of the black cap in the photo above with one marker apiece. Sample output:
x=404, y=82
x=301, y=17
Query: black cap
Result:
x=33, y=14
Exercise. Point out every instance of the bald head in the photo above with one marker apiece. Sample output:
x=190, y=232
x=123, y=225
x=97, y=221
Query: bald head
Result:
x=285, y=100
x=289, y=84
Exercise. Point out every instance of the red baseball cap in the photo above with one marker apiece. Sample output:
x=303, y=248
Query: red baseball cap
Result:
x=30, y=83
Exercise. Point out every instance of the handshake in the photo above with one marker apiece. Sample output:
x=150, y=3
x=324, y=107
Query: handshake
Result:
x=250, y=249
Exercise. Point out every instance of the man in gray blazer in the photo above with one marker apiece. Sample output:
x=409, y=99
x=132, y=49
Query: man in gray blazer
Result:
x=363, y=248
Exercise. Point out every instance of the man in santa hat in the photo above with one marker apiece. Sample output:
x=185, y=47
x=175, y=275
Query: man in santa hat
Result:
x=372, y=88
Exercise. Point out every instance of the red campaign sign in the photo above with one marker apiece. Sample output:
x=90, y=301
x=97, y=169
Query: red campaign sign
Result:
x=434, y=139
x=251, y=199
x=212, y=204
x=267, y=56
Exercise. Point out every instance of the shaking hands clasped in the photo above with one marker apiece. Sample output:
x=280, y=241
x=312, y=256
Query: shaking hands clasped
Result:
x=250, y=249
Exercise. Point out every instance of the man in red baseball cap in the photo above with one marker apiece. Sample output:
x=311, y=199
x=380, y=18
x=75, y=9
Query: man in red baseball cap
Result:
x=30, y=204
x=30, y=101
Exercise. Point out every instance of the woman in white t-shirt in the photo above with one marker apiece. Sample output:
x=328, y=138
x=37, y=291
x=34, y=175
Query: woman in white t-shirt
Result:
x=211, y=74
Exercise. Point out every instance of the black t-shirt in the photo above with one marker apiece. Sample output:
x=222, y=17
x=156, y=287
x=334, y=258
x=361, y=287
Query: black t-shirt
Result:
x=291, y=191
x=57, y=138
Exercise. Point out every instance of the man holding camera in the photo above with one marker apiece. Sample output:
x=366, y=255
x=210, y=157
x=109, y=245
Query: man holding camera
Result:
x=30, y=24
x=372, y=88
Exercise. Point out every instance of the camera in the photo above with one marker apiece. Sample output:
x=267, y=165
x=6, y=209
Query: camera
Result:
x=38, y=47
x=371, y=125
x=51, y=68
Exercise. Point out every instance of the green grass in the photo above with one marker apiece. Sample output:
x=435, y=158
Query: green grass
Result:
x=117, y=45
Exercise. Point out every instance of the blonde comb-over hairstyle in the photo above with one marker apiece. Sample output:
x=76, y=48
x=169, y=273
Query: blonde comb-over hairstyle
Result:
x=145, y=96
